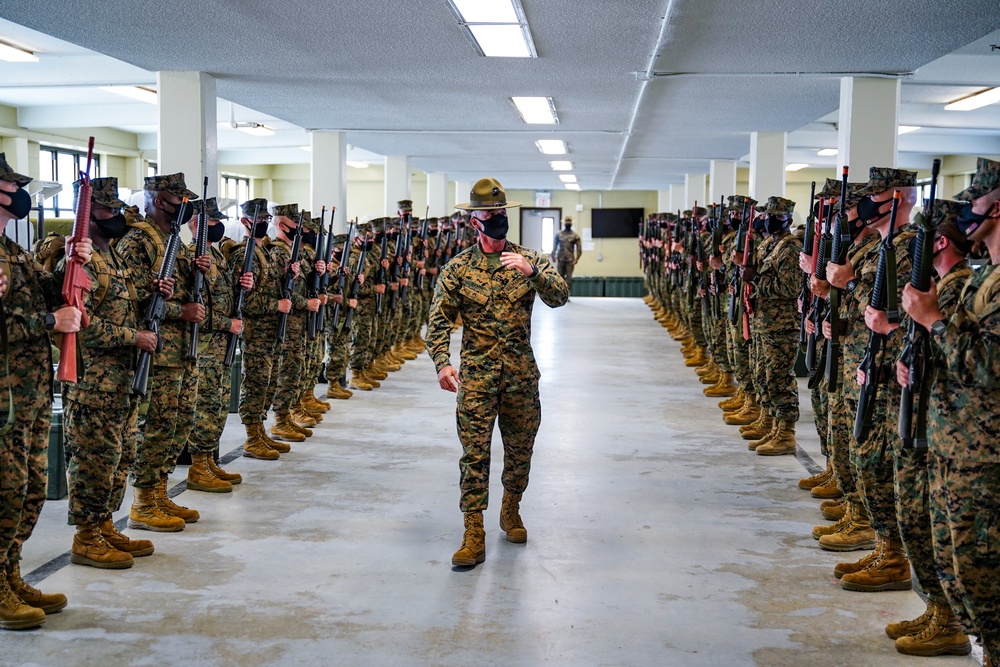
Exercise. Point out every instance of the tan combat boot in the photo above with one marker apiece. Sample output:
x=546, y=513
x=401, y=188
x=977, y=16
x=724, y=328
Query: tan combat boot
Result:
x=759, y=428
x=256, y=447
x=389, y=363
x=836, y=510
x=820, y=478
x=394, y=359
x=836, y=527
x=711, y=377
x=902, y=628
x=14, y=613
x=473, y=549
x=748, y=414
x=829, y=490
x=358, y=381
x=856, y=536
x=942, y=636
x=403, y=353
x=90, y=548
x=168, y=506
x=279, y=447
x=783, y=441
x=766, y=438
x=723, y=386
x=201, y=478
x=135, y=548
x=373, y=372
x=313, y=404
x=49, y=603
x=293, y=421
x=300, y=407
x=698, y=359
x=145, y=514
x=367, y=373
x=889, y=572
x=510, y=518
x=335, y=390
x=708, y=369
x=233, y=478
x=302, y=418
x=840, y=569
x=735, y=402
x=283, y=429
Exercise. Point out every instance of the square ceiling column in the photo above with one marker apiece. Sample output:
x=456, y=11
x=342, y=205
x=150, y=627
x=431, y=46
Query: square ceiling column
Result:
x=328, y=175
x=694, y=190
x=462, y=191
x=767, y=164
x=397, y=182
x=663, y=200
x=677, y=194
x=721, y=180
x=872, y=141
x=187, y=140
x=437, y=195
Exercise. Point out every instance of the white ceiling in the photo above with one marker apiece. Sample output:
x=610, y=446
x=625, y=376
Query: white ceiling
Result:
x=640, y=102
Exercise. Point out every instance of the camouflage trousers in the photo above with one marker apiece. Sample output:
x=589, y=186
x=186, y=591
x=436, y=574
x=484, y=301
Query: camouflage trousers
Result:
x=565, y=268
x=965, y=504
x=821, y=406
x=720, y=351
x=364, y=335
x=313, y=363
x=840, y=422
x=214, y=390
x=776, y=351
x=876, y=479
x=288, y=371
x=260, y=354
x=173, y=395
x=739, y=358
x=339, y=350
x=24, y=468
x=520, y=414
x=914, y=516
x=101, y=440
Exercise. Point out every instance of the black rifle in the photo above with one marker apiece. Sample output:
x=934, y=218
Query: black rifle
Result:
x=807, y=249
x=405, y=270
x=883, y=298
x=822, y=244
x=345, y=255
x=198, y=287
x=240, y=292
x=717, y=277
x=316, y=280
x=156, y=311
x=397, y=260
x=356, y=285
x=288, y=280
x=382, y=278
x=324, y=281
x=424, y=231
x=736, y=298
x=916, y=346
x=841, y=243
x=746, y=287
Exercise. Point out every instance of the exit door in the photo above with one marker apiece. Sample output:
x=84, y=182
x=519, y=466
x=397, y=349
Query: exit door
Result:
x=539, y=227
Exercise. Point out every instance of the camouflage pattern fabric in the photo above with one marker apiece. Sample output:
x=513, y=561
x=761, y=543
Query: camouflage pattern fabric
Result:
x=260, y=322
x=170, y=418
x=363, y=326
x=289, y=366
x=985, y=180
x=172, y=183
x=212, y=402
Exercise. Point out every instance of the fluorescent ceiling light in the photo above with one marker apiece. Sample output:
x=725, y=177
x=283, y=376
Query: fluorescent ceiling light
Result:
x=307, y=149
x=15, y=54
x=357, y=164
x=497, y=27
x=551, y=146
x=572, y=186
x=980, y=99
x=567, y=178
x=256, y=129
x=137, y=93
x=501, y=41
x=536, y=110
x=906, y=129
x=486, y=11
x=561, y=165
x=827, y=152
x=795, y=166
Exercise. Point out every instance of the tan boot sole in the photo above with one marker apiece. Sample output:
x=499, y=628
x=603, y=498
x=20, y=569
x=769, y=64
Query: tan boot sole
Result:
x=458, y=561
x=119, y=565
x=194, y=486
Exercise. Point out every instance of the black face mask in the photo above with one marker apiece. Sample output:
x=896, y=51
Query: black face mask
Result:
x=112, y=228
x=759, y=225
x=569, y=228
x=870, y=211
x=259, y=230
x=216, y=232
x=968, y=222
x=173, y=215
x=776, y=224
x=20, y=203
x=309, y=238
x=496, y=227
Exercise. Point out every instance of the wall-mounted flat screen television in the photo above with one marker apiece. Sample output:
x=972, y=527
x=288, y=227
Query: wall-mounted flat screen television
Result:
x=608, y=223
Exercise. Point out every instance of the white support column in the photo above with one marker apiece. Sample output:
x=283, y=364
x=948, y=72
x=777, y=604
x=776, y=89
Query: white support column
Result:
x=397, y=181
x=16, y=150
x=328, y=175
x=187, y=140
x=135, y=171
x=767, y=164
x=722, y=180
x=677, y=195
x=462, y=190
x=873, y=140
x=663, y=200
x=437, y=195
x=694, y=190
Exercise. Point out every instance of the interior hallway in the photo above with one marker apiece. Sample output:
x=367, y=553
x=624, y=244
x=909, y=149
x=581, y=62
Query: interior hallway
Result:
x=655, y=538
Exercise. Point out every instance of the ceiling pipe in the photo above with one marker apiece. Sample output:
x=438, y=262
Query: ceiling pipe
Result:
x=646, y=78
x=836, y=75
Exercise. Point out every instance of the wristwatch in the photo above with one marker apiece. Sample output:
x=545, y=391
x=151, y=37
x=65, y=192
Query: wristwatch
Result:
x=852, y=285
x=50, y=321
x=939, y=327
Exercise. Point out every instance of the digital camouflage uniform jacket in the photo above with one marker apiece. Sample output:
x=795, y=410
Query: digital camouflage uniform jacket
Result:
x=569, y=246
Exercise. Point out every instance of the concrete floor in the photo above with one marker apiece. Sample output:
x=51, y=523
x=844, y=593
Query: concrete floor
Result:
x=655, y=538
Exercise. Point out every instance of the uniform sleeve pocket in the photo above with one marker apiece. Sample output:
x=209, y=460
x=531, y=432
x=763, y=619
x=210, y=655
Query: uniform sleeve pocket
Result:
x=517, y=289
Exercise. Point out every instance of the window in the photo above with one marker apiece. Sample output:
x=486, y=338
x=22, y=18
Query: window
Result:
x=64, y=167
x=548, y=234
x=151, y=168
x=236, y=189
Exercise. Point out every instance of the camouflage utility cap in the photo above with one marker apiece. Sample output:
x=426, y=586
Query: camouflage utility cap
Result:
x=881, y=179
x=312, y=224
x=287, y=210
x=340, y=239
x=248, y=207
x=105, y=192
x=404, y=205
x=737, y=202
x=699, y=211
x=11, y=176
x=779, y=206
x=212, y=209
x=568, y=218
x=985, y=180
x=855, y=193
x=172, y=183
x=487, y=194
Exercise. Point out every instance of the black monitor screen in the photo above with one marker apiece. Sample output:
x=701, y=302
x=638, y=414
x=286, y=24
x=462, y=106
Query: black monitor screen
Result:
x=616, y=222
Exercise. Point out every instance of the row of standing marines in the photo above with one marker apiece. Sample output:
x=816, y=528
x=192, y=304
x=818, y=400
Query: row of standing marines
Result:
x=300, y=303
x=899, y=338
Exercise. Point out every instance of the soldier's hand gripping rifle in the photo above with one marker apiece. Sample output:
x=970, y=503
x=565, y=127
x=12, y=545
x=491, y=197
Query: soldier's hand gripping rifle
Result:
x=883, y=298
x=316, y=280
x=76, y=281
x=198, y=284
x=397, y=260
x=916, y=349
x=805, y=294
x=841, y=243
x=324, y=281
x=345, y=256
x=156, y=311
x=704, y=286
x=240, y=292
x=382, y=277
x=405, y=270
x=746, y=287
x=288, y=280
x=718, y=276
x=822, y=242
x=359, y=271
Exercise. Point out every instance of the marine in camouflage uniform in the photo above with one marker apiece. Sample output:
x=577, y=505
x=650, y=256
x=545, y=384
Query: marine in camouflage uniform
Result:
x=364, y=322
x=100, y=413
x=499, y=376
x=720, y=261
x=566, y=251
x=308, y=405
x=338, y=337
x=31, y=295
x=173, y=378
x=963, y=438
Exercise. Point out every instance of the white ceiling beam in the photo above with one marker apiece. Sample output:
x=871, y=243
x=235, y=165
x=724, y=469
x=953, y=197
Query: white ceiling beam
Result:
x=87, y=115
